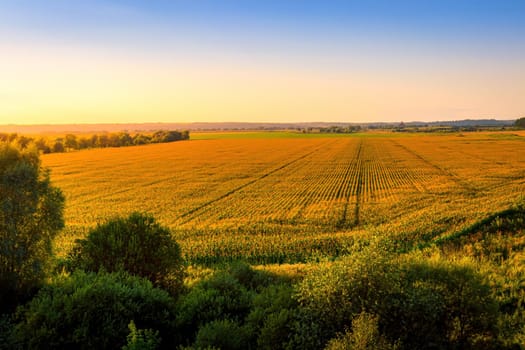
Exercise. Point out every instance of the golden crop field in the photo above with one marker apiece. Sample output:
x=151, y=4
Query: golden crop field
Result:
x=288, y=199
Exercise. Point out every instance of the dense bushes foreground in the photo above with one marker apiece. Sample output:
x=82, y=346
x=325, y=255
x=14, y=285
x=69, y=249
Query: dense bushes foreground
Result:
x=370, y=300
x=92, y=311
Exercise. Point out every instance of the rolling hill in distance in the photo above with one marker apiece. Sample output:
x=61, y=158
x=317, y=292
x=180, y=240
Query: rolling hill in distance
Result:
x=113, y=127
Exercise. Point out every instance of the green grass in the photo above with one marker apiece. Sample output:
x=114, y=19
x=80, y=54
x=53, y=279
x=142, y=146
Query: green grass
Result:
x=265, y=135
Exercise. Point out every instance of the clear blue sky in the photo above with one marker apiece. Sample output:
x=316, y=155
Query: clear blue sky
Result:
x=132, y=61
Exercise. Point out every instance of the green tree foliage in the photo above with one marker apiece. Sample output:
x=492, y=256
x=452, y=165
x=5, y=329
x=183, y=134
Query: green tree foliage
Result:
x=42, y=146
x=218, y=297
x=58, y=146
x=93, y=311
x=169, y=136
x=136, y=244
x=237, y=307
x=448, y=305
x=141, y=339
x=271, y=316
x=30, y=217
x=520, y=122
x=71, y=142
x=125, y=139
x=6, y=330
x=140, y=139
x=23, y=141
x=222, y=334
x=364, y=336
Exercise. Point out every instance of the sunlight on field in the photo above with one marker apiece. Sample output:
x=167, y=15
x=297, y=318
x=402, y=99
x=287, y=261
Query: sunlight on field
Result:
x=287, y=199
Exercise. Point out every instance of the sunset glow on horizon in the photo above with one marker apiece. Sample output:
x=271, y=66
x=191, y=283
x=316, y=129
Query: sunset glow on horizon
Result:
x=116, y=61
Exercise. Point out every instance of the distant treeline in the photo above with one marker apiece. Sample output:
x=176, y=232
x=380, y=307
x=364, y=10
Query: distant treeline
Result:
x=448, y=129
x=520, y=123
x=334, y=130
x=74, y=142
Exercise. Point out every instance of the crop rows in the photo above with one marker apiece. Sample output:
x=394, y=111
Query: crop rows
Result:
x=284, y=199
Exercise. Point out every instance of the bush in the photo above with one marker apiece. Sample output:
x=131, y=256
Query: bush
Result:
x=252, y=279
x=219, y=297
x=141, y=339
x=6, y=330
x=450, y=302
x=136, y=244
x=330, y=297
x=364, y=336
x=520, y=122
x=447, y=305
x=271, y=316
x=93, y=310
x=222, y=334
x=30, y=218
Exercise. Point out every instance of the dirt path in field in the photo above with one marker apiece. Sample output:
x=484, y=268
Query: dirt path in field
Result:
x=356, y=164
x=359, y=189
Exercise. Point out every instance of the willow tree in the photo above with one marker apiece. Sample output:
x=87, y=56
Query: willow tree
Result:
x=31, y=214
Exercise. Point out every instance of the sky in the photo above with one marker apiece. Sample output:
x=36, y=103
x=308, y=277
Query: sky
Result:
x=117, y=61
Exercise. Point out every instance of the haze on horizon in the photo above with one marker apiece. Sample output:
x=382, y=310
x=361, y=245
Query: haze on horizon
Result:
x=116, y=61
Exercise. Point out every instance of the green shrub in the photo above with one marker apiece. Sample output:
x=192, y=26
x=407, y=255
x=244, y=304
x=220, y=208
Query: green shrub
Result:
x=275, y=331
x=222, y=334
x=6, y=330
x=136, y=244
x=330, y=297
x=141, y=339
x=450, y=302
x=93, y=310
x=364, y=336
x=446, y=304
x=246, y=276
x=219, y=297
x=271, y=316
x=30, y=217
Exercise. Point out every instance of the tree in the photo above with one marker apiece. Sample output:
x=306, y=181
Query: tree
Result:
x=42, y=145
x=30, y=217
x=84, y=142
x=365, y=335
x=103, y=141
x=125, y=139
x=136, y=244
x=71, y=142
x=140, y=139
x=23, y=141
x=95, y=141
x=141, y=339
x=520, y=123
x=87, y=310
x=58, y=147
x=114, y=140
x=448, y=305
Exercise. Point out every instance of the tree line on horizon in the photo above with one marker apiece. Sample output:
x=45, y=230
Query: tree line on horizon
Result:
x=71, y=142
x=520, y=123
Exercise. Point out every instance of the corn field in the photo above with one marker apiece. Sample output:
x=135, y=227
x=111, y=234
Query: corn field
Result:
x=283, y=199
